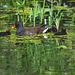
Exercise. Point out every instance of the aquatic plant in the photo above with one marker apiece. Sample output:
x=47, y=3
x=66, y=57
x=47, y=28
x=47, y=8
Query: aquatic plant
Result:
x=18, y=5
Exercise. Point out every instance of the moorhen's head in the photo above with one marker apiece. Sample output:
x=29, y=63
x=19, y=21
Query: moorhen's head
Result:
x=64, y=30
x=8, y=32
x=17, y=25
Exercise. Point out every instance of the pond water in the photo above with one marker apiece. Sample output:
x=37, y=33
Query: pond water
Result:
x=42, y=54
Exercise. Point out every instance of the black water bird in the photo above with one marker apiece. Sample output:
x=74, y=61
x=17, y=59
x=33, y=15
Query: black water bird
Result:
x=8, y=32
x=63, y=32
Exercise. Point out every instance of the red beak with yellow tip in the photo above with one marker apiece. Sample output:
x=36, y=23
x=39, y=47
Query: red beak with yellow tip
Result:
x=13, y=26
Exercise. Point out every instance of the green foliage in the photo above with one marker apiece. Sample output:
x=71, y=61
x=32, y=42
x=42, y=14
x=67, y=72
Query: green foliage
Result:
x=18, y=4
x=36, y=54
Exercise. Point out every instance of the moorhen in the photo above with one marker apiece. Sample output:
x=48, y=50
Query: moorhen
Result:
x=27, y=31
x=5, y=33
x=63, y=32
x=53, y=29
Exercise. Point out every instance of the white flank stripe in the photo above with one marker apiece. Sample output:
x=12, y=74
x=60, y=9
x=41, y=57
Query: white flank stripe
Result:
x=45, y=30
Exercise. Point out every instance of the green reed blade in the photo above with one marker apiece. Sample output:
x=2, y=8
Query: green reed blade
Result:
x=51, y=12
x=30, y=14
x=34, y=13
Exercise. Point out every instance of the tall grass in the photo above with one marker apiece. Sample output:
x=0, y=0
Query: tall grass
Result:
x=57, y=20
x=30, y=14
x=34, y=13
x=51, y=12
x=19, y=4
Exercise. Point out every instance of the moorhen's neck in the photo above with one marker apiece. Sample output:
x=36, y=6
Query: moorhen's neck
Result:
x=19, y=27
x=19, y=30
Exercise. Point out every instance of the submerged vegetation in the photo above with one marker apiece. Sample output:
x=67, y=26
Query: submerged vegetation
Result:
x=42, y=54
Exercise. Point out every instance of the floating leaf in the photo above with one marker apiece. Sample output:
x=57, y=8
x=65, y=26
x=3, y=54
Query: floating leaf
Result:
x=62, y=47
